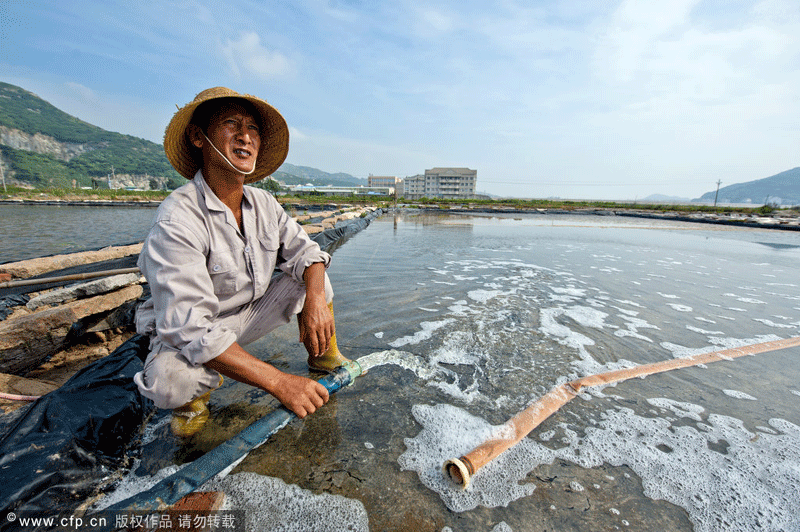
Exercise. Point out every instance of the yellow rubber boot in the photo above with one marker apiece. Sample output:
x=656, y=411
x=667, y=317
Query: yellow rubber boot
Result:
x=187, y=420
x=330, y=359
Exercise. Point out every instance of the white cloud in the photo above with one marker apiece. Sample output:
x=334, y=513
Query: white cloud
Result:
x=296, y=134
x=83, y=92
x=248, y=55
x=431, y=19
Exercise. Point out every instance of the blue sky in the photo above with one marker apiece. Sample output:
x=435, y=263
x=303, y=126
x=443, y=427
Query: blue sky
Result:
x=602, y=99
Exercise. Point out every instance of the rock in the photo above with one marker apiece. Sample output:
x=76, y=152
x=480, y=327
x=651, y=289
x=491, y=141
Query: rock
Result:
x=313, y=229
x=21, y=386
x=79, y=291
x=27, y=341
x=40, y=143
x=31, y=267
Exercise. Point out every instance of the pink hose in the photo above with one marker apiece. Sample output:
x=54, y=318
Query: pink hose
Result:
x=15, y=397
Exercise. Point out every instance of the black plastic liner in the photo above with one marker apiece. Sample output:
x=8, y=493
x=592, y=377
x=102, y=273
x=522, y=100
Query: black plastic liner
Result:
x=330, y=239
x=55, y=454
x=52, y=458
x=7, y=303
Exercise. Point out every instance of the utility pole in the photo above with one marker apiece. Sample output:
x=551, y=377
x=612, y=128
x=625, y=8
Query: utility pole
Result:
x=719, y=182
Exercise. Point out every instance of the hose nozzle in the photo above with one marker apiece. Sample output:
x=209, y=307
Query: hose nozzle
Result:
x=459, y=470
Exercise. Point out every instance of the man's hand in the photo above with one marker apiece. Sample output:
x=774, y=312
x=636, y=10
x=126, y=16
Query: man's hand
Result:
x=300, y=394
x=316, y=326
x=315, y=320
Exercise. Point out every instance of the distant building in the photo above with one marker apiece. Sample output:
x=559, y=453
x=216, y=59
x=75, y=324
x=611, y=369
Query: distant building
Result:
x=444, y=183
x=382, y=181
x=329, y=190
x=413, y=187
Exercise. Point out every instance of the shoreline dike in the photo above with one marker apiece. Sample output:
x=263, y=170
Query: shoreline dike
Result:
x=783, y=219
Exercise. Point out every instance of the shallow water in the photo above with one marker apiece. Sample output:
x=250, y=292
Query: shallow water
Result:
x=489, y=313
x=31, y=231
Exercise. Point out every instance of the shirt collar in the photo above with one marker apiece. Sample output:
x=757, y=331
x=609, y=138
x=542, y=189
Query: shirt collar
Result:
x=212, y=201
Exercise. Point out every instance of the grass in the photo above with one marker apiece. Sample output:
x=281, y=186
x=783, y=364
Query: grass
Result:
x=385, y=202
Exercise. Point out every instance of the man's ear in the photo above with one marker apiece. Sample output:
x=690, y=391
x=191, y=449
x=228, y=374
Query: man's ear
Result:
x=195, y=135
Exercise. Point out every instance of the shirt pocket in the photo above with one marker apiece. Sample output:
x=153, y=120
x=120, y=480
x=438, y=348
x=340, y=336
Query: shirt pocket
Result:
x=270, y=245
x=223, y=270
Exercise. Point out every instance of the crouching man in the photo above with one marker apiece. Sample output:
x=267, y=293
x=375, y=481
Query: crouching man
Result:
x=209, y=260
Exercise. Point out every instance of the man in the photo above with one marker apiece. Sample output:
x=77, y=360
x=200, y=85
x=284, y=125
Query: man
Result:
x=209, y=260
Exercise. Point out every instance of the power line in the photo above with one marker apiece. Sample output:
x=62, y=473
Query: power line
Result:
x=574, y=184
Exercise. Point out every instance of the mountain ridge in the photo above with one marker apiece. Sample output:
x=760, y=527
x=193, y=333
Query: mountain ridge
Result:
x=42, y=146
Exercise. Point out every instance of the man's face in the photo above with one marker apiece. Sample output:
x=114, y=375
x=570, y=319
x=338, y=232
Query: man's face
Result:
x=235, y=132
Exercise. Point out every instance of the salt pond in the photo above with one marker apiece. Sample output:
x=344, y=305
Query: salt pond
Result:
x=485, y=314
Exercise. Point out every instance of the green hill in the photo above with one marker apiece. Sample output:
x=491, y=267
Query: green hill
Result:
x=300, y=175
x=66, y=148
x=782, y=189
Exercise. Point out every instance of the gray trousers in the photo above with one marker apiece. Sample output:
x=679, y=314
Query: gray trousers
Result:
x=170, y=380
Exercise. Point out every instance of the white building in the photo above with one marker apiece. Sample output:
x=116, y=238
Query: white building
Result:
x=444, y=183
x=382, y=181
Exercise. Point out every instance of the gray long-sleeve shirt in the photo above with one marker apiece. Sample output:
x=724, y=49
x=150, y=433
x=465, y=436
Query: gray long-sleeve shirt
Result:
x=200, y=266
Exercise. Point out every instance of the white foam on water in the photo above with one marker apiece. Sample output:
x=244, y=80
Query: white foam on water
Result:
x=547, y=435
x=679, y=351
x=628, y=302
x=739, y=395
x=379, y=335
x=745, y=299
x=702, y=331
x=668, y=296
x=771, y=323
x=449, y=432
x=750, y=484
x=132, y=484
x=795, y=392
x=632, y=326
x=588, y=317
x=680, y=409
x=151, y=429
x=271, y=504
x=570, y=291
x=428, y=328
x=680, y=308
x=549, y=326
x=576, y=486
x=482, y=296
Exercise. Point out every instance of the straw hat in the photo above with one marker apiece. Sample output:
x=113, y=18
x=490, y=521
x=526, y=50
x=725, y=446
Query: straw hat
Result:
x=274, y=136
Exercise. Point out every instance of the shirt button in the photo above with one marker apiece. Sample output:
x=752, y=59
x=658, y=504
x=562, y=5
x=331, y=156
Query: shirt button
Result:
x=247, y=249
x=216, y=268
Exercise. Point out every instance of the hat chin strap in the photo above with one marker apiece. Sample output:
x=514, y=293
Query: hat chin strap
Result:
x=228, y=160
